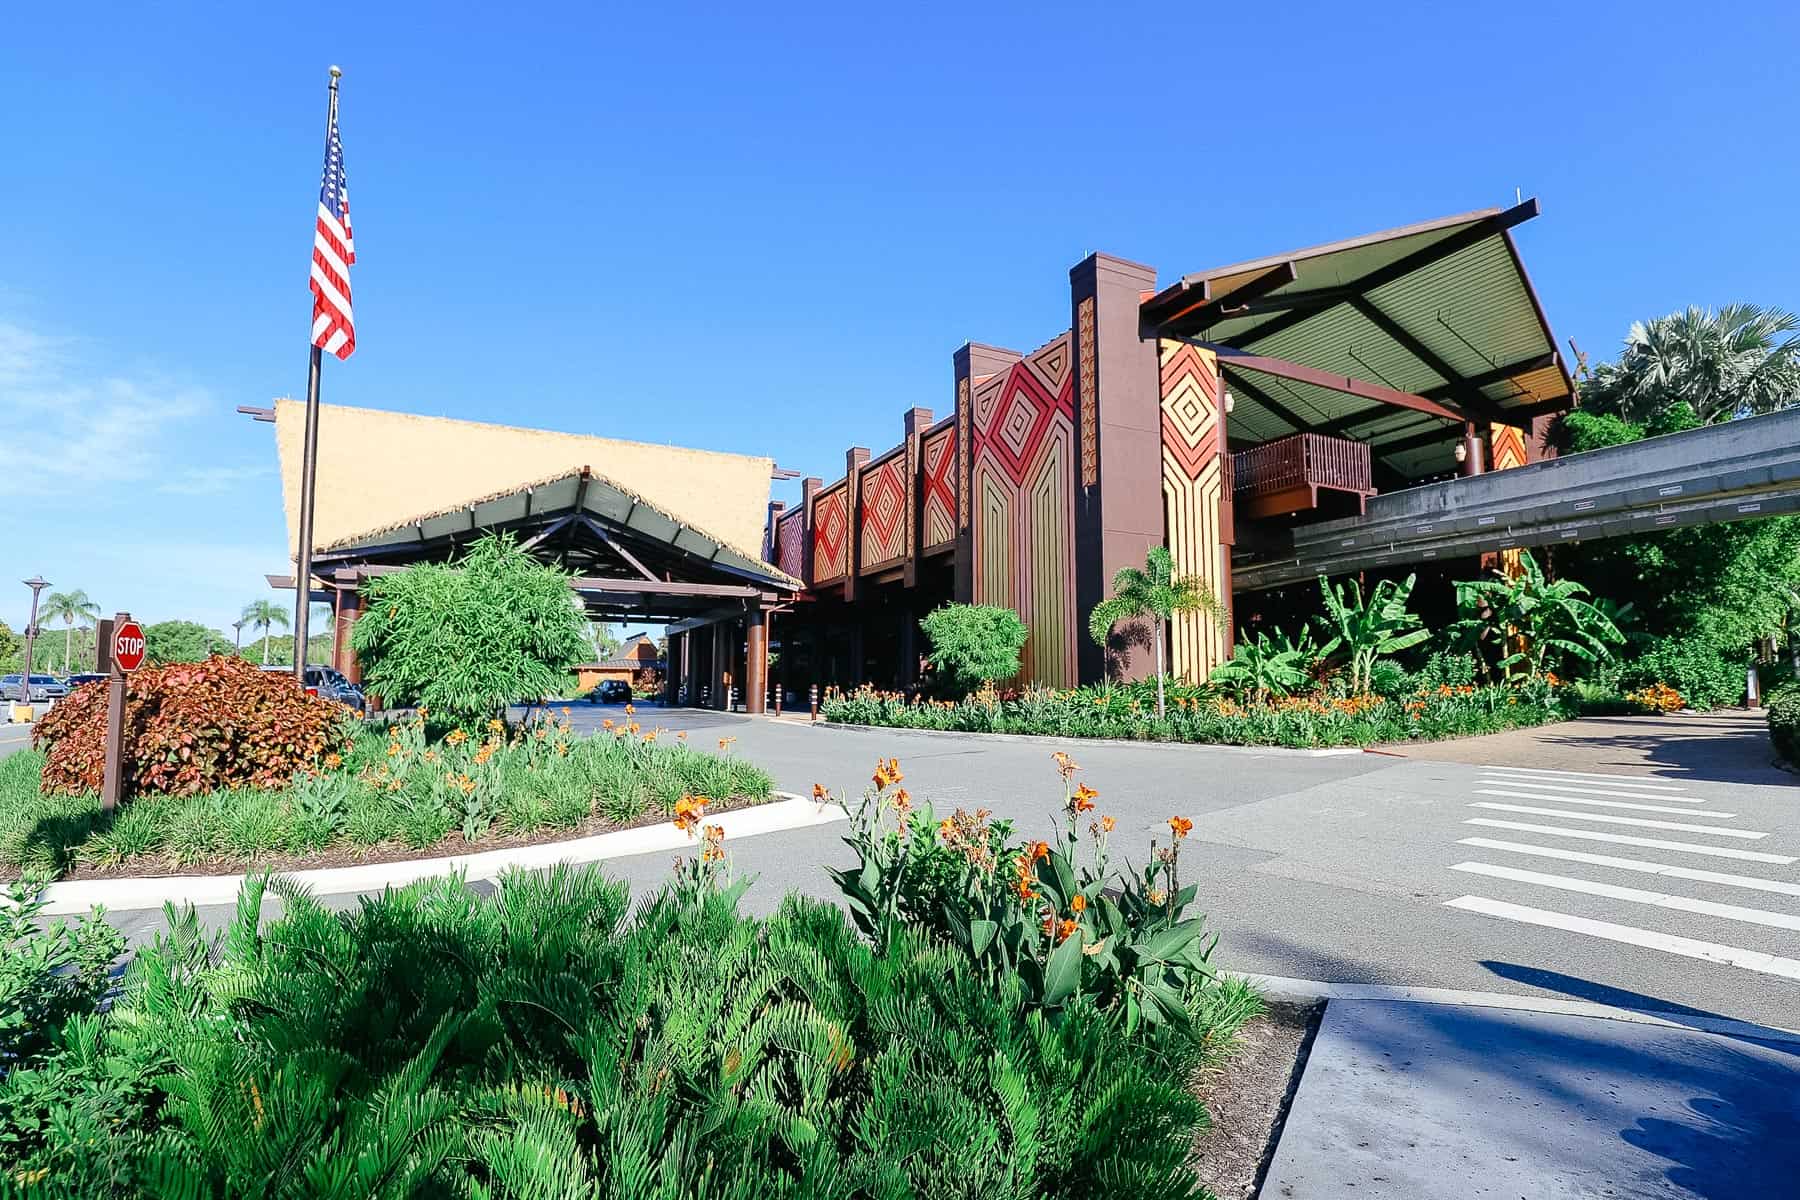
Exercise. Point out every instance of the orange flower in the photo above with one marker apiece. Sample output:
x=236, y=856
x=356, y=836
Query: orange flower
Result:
x=1083, y=799
x=334, y=761
x=682, y=736
x=630, y=709
x=1106, y=823
x=1065, y=929
x=456, y=737
x=1078, y=903
x=820, y=794
x=688, y=811
x=1065, y=766
x=902, y=802
x=498, y=726
x=725, y=744
x=714, y=837
x=606, y=724
x=1180, y=827
x=1039, y=851
x=946, y=828
x=1156, y=896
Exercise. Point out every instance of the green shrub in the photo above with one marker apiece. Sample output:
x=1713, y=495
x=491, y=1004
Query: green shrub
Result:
x=1784, y=722
x=192, y=727
x=466, y=641
x=973, y=645
x=554, y=1040
x=1704, y=676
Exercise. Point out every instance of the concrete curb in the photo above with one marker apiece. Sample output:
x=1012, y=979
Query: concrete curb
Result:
x=1277, y=987
x=788, y=812
x=1140, y=743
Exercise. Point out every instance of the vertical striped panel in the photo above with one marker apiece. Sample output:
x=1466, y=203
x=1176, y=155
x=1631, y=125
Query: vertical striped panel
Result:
x=1021, y=443
x=1193, y=489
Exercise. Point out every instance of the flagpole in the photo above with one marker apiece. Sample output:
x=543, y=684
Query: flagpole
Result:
x=309, y=470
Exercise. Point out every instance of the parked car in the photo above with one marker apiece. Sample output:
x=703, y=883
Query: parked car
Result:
x=76, y=680
x=330, y=683
x=43, y=687
x=610, y=691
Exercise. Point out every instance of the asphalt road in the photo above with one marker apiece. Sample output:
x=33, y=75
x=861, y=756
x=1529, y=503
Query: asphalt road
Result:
x=1658, y=865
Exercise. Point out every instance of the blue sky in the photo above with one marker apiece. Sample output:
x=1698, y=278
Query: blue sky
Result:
x=766, y=228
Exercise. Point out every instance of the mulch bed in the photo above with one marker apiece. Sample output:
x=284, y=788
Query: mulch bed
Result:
x=1248, y=1096
x=153, y=866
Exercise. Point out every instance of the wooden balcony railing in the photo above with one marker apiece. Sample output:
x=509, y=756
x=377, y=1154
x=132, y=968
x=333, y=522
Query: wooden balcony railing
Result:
x=1285, y=476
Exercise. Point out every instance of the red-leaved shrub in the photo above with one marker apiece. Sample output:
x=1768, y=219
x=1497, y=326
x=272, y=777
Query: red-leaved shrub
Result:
x=191, y=727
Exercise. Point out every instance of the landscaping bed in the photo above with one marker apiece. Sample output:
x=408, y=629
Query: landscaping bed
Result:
x=989, y=1017
x=388, y=793
x=1247, y=1094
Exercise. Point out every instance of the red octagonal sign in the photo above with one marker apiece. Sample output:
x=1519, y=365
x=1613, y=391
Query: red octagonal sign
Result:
x=128, y=646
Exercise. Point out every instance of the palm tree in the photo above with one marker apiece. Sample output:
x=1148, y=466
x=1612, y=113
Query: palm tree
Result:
x=262, y=614
x=70, y=607
x=1155, y=592
x=1732, y=363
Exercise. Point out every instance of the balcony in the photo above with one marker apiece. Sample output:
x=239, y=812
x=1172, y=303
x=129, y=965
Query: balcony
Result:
x=1304, y=473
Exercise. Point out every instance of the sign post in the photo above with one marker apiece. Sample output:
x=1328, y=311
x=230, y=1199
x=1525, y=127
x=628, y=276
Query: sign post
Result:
x=125, y=652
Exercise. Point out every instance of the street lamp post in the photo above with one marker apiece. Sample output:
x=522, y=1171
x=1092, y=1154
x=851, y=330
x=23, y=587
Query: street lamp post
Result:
x=36, y=583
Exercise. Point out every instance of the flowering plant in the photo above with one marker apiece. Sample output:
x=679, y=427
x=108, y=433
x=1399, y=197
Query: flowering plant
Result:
x=1051, y=914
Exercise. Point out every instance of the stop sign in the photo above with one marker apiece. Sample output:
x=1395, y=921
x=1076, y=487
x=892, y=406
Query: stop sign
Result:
x=128, y=646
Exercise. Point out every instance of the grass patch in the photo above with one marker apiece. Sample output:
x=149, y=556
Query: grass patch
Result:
x=389, y=785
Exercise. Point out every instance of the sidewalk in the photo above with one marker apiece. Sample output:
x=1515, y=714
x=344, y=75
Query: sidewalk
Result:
x=1419, y=1101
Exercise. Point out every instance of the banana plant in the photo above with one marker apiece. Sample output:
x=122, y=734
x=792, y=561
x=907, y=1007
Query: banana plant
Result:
x=1534, y=620
x=1365, y=630
x=1267, y=665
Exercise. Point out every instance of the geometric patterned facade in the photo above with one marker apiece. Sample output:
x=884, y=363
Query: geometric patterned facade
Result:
x=790, y=544
x=831, y=536
x=1193, y=481
x=1022, y=477
x=885, y=506
x=938, y=453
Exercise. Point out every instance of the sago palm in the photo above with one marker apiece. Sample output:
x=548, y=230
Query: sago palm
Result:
x=1155, y=592
x=70, y=607
x=263, y=615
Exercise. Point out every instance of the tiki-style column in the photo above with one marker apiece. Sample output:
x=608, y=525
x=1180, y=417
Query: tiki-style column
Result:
x=809, y=491
x=347, y=606
x=854, y=458
x=756, y=659
x=972, y=364
x=917, y=421
x=672, y=670
x=772, y=532
x=720, y=674
x=1119, y=434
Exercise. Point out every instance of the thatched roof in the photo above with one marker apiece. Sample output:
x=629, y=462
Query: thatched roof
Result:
x=380, y=470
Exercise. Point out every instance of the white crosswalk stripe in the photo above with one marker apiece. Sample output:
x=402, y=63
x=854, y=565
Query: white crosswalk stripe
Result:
x=1546, y=785
x=1593, y=803
x=1748, y=835
x=1576, y=796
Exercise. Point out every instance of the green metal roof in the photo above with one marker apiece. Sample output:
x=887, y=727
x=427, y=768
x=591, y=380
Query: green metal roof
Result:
x=1443, y=309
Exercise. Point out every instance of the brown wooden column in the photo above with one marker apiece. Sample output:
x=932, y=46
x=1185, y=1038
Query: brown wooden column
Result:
x=672, y=670
x=720, y=671
x=756, y=660
x=1118, y=429
x=809, y=490
x=347, y=605
x=917, y=421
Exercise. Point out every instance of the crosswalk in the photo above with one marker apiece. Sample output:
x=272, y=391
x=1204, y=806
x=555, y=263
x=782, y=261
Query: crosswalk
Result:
x=1591, y=807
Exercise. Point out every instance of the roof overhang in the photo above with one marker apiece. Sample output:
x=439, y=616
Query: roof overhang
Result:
x=1442, y=311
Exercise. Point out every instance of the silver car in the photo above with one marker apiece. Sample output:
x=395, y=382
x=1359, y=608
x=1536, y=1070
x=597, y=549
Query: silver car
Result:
x=43, y=687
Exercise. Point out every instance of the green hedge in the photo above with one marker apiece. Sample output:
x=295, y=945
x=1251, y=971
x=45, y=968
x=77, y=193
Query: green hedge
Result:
x=1194, y=716
x=1784, y=722
x=1704, y=675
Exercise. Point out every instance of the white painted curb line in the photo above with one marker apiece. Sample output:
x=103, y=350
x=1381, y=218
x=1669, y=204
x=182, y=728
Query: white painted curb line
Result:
x=1277, y=987
x=790, y=812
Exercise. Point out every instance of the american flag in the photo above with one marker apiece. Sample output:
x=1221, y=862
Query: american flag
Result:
x=334, y=249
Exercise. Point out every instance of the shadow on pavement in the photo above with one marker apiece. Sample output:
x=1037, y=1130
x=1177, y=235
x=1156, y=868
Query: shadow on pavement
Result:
x=1597, y=993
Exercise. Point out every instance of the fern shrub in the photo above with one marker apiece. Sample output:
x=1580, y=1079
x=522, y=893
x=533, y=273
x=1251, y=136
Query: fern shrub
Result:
x=553, y=1040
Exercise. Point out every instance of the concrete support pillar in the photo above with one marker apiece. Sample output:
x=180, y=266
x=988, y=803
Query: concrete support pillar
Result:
x=854, y=458
x=756, y=660
x=1119, y=438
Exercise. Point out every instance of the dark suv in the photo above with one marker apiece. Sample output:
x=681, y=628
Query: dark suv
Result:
x=610, y=691
x=330, y=683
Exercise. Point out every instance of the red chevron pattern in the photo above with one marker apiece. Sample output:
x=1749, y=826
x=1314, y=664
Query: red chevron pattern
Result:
x=1190, y=409
x=831, y=527
x=1022, y=453
x=1193, y=484
x=790, y=544
x=884, y=512
x=939, y=454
